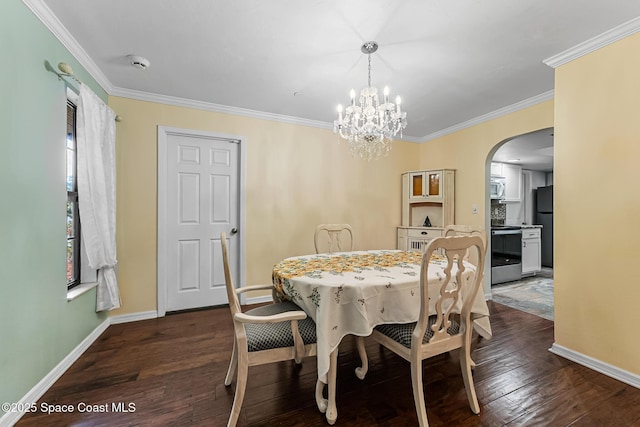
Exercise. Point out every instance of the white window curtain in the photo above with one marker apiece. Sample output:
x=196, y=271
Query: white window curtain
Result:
x=96, y=138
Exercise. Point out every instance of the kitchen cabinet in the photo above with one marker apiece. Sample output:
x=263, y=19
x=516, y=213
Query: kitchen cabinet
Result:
x=531, y=251
x=513, y=182
x=417, y=238
x=496, y=169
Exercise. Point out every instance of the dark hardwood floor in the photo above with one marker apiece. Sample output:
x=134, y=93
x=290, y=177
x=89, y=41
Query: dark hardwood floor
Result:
x=172, y=370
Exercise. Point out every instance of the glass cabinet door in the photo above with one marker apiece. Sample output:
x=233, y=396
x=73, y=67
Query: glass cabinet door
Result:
x=434, y=180
x=417, y=185
x=424, y=185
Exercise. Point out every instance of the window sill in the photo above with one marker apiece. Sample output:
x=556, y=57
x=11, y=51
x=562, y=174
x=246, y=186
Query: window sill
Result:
x=79, y=290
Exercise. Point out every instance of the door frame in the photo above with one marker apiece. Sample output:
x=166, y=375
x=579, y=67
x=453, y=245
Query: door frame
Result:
x=163, y=135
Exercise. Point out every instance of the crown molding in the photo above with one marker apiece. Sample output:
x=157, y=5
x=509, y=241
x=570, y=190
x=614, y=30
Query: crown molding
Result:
x=490, y=116
x=409, y=139
x=218, y=108
x=225, y=109
x=595, y=43
x=44, y=14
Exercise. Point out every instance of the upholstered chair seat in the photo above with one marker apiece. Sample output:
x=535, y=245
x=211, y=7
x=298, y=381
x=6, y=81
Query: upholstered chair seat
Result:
x=401, y=332
x=267, y=336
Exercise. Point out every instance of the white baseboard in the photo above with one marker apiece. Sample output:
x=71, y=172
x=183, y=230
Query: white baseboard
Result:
x=10, y=418
x=597, y=365
x=133, y=317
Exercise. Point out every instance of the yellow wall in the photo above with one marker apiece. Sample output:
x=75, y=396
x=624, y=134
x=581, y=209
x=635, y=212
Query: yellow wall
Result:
x=597, y=204
x=296, y=177
x=596, y=147
x=470, y=151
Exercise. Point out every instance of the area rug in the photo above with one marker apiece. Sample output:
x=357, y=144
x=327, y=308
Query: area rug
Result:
x=532, y=295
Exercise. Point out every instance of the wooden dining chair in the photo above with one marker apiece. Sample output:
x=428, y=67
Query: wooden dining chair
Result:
x=270, y=333
x=439, y=331
x=330, y=238
x=467, y=230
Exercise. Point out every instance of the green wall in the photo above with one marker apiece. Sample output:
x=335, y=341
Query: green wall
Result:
x=38, y=327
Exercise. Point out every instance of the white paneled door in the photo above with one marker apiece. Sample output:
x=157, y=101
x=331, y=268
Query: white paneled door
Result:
x=199, y=201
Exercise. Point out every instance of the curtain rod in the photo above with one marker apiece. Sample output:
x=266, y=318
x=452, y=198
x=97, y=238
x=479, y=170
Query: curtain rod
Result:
x=67, y=71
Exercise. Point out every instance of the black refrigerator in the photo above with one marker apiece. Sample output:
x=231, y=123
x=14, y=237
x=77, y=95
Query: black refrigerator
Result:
x=544, y=217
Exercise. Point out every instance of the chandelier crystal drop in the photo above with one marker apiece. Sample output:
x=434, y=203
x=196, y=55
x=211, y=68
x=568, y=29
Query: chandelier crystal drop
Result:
x=369, y=125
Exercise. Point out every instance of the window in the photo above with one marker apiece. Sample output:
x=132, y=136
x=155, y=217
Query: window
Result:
x=73, y=215
x=80, y=276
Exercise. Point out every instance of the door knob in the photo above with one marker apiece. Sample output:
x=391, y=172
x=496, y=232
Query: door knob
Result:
x=234, y=230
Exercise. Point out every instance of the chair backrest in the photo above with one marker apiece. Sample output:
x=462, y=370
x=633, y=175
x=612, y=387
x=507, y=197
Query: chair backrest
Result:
x=467, y=230
x=234, y=303
x=333, y=238
x=463, y=283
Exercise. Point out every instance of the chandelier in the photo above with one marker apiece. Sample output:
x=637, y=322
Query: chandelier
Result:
x=370, y=126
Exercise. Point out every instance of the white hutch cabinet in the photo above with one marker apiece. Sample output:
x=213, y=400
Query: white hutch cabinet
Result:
x=428, y=193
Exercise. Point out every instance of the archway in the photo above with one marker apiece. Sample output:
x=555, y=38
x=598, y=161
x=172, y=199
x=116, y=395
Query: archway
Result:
x=525, y=163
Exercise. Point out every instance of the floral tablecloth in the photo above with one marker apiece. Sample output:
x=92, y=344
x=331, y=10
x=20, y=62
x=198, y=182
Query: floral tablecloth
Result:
x=352, y=292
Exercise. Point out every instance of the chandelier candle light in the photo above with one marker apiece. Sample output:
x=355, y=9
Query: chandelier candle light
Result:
x=370, y=126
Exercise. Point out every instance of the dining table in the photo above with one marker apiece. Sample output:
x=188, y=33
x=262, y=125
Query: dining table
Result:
x=350, y=293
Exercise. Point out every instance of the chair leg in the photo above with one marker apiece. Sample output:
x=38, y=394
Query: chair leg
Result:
x=241, y=385
x=418, y=392
x=231, y=372
x=298, y=343
x=467, y=377
x=361, y=371
x=471, y=362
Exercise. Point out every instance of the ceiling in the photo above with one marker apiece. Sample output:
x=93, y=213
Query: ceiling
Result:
x=451, y=61
x=533, y=151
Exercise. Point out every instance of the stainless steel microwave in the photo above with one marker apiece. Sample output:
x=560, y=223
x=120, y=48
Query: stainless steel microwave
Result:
x=497, y=187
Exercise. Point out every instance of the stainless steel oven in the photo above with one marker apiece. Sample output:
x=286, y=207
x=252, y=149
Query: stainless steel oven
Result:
x=506, y=254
